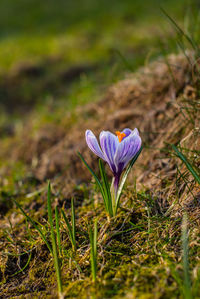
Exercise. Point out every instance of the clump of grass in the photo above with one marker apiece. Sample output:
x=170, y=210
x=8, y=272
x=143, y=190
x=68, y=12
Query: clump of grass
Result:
x=31, y=221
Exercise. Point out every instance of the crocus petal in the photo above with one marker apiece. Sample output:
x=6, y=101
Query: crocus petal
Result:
x=127, y=150
x=93, y=144
x=127, y=132
x=109, y=143
x=135, y=131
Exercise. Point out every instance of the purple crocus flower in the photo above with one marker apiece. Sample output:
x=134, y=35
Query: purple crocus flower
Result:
x=117, y=151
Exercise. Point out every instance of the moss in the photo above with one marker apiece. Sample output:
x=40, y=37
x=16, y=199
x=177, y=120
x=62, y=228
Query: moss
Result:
x=131, y=260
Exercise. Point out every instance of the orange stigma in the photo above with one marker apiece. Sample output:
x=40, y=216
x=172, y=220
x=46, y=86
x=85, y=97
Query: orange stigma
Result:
x=120, y=135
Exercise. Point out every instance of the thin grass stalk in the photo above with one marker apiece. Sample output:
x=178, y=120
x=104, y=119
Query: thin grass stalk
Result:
x=124, y=60
x=180, y=31
x=58, y=230
x=23, y=268
x=185, y=251
x=72, y=240
x=54, y=245
x=73, y=222
x=93, y=250
x=187, y=164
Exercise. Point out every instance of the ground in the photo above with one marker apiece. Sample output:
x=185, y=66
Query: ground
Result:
x=50, y=94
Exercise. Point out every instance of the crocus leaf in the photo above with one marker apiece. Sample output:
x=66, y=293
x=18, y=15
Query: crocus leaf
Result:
x=106, y=187
x=123, y=180
x=93, y=174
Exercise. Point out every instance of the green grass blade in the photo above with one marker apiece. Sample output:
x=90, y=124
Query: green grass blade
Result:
x=93, y=174
x=69, y=230
x=22, y=269
x=95, y=239
x=124, y=60
x=187, y=282
x=106, y=187
x=179, y=30
x=53, y=239
x=34, y=224
x=93, y=250
x=58, y=230
x=187, y=164
x=125, y=177
x=73, y=221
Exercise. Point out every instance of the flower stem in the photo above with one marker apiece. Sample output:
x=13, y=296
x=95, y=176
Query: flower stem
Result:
x=116, y=184
x=114, y=189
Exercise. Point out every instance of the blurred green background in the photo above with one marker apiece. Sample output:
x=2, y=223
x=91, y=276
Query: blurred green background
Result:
x=55, y=55
x=82, y=30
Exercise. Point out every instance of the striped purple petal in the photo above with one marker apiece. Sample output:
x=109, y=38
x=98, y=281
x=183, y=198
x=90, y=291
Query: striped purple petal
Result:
x=93, y=144
x=109, y=143
x=126, y=150
x=135, y=131
x=127, y=132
